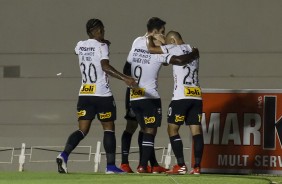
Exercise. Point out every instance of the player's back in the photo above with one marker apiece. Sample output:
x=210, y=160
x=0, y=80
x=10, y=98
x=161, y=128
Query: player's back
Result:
x=94, y=80
x=186, y=77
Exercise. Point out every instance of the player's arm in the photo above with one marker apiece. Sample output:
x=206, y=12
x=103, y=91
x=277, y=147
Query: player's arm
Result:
x=106, y=67
x=186, y=58
x=153, y=49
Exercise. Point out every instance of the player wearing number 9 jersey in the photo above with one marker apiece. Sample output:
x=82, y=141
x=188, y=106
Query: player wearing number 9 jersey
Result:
x=186, y=104
x=95, y=97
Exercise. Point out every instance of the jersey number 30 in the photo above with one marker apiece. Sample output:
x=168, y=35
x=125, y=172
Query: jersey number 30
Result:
x=89, y=75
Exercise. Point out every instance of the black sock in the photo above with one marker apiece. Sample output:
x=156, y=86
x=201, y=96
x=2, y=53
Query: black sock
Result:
x=198, y=149
x=153, y=160
x=147, y=148
x=140, y=139
x=177, y=147
x=110, y=147
x=73, y=141
x=125, y=146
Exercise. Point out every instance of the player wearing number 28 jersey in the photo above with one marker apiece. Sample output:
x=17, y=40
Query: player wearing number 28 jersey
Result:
x=186, y=104
x=186, y=82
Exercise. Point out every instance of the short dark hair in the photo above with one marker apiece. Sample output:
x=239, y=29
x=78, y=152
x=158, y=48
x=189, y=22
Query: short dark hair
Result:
x=155, y=23
x=93, y=24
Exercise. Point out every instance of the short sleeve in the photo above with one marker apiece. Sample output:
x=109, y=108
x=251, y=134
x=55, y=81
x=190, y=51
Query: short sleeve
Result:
x=164, y=49
x=104, y=49
x=76, y=49
x=161, y=58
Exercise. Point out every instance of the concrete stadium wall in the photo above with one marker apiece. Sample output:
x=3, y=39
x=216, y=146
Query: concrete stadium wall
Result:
x=239, y=43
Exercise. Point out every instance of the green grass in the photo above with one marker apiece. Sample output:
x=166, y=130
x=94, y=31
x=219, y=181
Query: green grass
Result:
x=85, y=178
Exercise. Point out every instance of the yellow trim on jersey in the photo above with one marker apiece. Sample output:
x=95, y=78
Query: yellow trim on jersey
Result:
x=192, y=91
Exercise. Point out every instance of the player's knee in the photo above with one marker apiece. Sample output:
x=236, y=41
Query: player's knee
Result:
x=108, y=125
x=195, y=130
x=83, y=132
x=152, y=131
x=131, y=126
x=172, y=132
x=172, y=129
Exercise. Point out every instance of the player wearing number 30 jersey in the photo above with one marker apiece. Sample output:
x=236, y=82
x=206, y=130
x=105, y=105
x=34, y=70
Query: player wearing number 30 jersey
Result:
x=94, y=80
x=95, y=97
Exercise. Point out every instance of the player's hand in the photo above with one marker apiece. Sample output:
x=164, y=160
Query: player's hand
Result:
x=160, y=37
x=130, y=82
x=195, y=52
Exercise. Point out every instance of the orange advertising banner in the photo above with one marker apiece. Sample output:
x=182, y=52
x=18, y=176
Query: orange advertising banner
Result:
x=242, y=131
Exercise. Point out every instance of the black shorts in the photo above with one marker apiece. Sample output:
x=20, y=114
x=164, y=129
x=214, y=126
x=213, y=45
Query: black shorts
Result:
x=148, y=112
x=130, y=115
x=185, y=110
x=90, y=106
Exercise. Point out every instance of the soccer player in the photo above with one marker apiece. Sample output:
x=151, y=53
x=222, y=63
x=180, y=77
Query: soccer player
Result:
x=145, y=100
x=186, y=104
x=154, y=26
x=95, y=96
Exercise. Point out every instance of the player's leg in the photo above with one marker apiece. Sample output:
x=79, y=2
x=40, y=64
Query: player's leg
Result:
x=138, y=108
x=140, y=139
x=85, y=118
x=109, y=143
x=147, y=148
x=176, y=116
x=106, y=113
x=150, y=120
x=77, y=136
x=126, y=137
x=196, y=130
x=131, y=126
x=72, y=141
x=155, y=167
x=176, y=143
x=198, y=140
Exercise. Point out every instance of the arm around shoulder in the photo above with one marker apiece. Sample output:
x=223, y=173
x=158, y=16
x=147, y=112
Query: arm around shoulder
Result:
x=186, y=58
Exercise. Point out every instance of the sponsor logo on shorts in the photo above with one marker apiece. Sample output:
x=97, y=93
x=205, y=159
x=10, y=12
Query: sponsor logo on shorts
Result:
x=137, y=92
x=149, y=120
x=192, y=91
x=105, y=115
x=88, y=89
x=81, y=113
x=179, y=118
